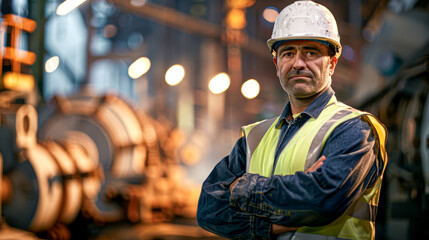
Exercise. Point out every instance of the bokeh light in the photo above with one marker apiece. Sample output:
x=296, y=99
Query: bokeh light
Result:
x=219, y=83
x=368, y=34
x=270, y=14
x=138, y=3
x=68, y=6
x=250, y=89
x=349, y=53
x=174, y=75
x=110, y=31
x=139, y=67
x=52, y=64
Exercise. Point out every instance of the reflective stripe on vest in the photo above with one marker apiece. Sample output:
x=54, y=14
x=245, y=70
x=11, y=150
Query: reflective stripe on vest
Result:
x=306, y=236
x=252, y=140
x=363, y=211
x=316, y=147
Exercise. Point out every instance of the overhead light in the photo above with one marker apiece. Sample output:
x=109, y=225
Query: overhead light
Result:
x=250, y=89
x=219, y=83
x=52, y=64
x=174, y=75
x=138, y=3
x=68, y=6
x=139, y=67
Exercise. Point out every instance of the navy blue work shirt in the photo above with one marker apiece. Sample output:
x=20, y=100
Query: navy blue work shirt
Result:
x=303, y=199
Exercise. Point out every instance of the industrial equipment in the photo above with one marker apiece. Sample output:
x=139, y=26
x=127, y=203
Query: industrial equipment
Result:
x=81, y=158
x=395, y=81
x=94, y=155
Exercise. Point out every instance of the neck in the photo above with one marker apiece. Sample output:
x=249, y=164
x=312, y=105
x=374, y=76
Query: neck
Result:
x=298, y=105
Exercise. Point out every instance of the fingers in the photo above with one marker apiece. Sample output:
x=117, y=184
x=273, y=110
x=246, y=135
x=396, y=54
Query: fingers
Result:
x=316, y=165
x=320, y=161
x=233, y=184
x=278, y=229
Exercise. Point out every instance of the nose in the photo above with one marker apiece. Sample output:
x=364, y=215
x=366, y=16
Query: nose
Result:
x=299, y=63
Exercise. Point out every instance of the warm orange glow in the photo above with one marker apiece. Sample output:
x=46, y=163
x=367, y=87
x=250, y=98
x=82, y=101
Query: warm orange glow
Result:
x=236, y=18
x=270, y=14
x=18, y=81
x=190, y=154
x=16, y=21
x=19, y=55
x=240, y=3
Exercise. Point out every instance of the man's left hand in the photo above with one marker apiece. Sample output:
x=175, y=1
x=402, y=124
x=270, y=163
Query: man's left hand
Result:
x=233, y=184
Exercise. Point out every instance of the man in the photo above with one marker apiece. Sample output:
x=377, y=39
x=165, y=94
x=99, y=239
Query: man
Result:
x=315, y=171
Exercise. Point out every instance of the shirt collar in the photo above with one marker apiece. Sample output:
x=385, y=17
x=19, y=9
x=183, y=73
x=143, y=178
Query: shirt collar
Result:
x=313, y=110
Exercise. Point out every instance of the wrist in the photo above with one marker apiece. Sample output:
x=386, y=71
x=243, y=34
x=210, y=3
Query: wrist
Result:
x=231, y=187
x=277, y=229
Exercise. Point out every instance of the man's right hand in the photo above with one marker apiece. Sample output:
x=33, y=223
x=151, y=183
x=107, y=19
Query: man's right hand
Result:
x=279, y=229
x=316, y=165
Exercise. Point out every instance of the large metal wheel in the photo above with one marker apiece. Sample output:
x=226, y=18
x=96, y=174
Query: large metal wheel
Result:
x=37, y=191
x=110, y=128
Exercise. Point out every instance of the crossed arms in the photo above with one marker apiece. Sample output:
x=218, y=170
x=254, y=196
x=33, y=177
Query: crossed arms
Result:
x=240, y=205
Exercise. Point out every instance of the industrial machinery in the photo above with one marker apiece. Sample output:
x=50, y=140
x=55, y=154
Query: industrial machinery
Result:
x=81, y=158
x=95, y=156
x=398, y=63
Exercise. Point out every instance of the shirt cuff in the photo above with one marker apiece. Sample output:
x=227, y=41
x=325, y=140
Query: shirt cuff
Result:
x=261, y=228
x=245, y=194
x=242, y=193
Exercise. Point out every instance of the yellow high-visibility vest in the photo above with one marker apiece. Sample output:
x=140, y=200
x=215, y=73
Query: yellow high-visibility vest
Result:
x=302, y=151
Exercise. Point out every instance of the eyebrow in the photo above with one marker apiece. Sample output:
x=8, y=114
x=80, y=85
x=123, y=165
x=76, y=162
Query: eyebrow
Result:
x=311, y=48
x=287, y=48
x=305, y=47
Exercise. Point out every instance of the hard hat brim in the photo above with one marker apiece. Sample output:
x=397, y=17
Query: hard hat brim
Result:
x=271, y=42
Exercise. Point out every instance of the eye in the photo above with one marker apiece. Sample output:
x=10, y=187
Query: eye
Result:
x=311, y=53
x=288, y=54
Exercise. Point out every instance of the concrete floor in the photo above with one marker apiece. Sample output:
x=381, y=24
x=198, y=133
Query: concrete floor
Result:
x=155, y=231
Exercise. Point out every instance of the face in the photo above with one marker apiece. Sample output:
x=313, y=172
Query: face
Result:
x=304, y=68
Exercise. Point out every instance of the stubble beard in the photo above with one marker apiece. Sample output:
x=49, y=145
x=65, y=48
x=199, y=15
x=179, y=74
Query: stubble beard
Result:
x=310, y=88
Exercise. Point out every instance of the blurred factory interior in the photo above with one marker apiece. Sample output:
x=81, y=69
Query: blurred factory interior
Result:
x=112, y=112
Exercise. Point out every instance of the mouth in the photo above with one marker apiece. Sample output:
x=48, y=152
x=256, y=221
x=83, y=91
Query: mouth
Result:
x=298, y=77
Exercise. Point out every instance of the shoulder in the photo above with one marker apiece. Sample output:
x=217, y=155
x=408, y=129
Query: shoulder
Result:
x=359, y=120
x=354, y=124
x=265, y=124
x=352, y=128
x=350, y=136
x=351, y=132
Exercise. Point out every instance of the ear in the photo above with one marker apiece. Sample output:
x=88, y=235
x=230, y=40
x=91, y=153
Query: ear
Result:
x=332, y=65
x=277, y=67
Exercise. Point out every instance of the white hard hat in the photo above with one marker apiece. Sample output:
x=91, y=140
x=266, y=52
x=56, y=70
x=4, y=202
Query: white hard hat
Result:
x=306, y=20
